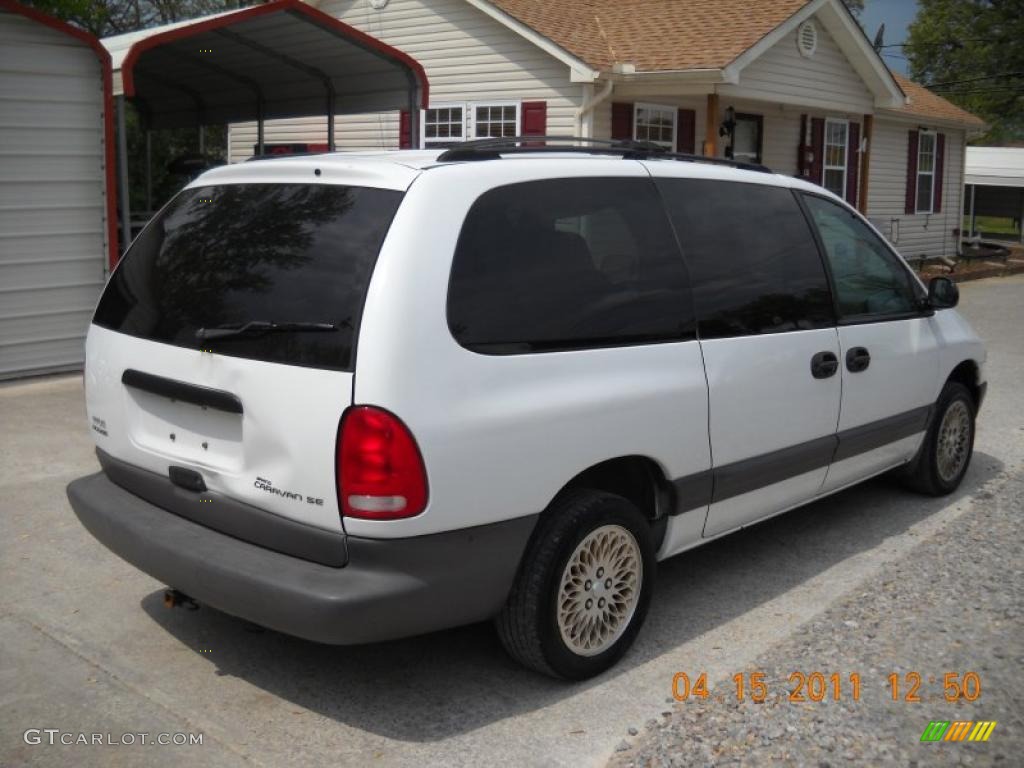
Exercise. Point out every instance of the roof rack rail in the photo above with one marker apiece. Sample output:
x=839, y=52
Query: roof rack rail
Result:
x=493, y=149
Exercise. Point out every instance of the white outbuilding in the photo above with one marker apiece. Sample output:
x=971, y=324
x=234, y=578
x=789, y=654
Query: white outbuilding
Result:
x=995, y=185
x=57, y=220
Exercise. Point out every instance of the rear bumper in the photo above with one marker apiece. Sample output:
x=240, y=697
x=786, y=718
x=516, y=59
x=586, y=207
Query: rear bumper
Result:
x=390, y=587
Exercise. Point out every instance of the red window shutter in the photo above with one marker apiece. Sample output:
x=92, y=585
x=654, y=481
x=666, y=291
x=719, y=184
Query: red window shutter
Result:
x=622, y=120
x=686, y=131
x=817, y=150
x=852, y=163
x=533, y=119
x=911, y=201
x=940, y=163
x=404, y=129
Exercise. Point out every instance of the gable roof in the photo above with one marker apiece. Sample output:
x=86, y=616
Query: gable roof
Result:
x=924, y=103
x=654, y=35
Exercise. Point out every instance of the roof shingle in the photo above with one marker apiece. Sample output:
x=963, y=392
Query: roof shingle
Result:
x=925, y=103
x=654, y=35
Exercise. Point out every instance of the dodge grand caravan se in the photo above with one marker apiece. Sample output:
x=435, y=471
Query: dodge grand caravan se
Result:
x=358, y=397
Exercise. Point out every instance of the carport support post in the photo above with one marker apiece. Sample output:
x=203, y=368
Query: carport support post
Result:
x=122, y=174
x=974, y=188
x=330, y=120
x=414, y=118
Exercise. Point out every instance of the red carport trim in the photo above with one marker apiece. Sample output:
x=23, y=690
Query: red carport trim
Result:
x=108, y=110
x=292, y=6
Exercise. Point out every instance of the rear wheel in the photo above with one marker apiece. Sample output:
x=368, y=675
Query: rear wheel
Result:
x=945, y=454
x=583, y=588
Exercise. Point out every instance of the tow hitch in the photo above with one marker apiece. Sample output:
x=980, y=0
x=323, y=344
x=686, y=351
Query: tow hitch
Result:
x=173, y=599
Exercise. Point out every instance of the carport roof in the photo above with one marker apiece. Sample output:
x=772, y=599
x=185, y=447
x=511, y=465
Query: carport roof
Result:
x=995, y=166
x=278, y=60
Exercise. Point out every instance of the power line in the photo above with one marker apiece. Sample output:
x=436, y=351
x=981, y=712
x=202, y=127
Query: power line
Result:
x=975, y=79
x=960, y=41
x=1007, y=91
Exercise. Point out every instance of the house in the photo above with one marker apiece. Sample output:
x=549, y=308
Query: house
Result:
x=792, y=84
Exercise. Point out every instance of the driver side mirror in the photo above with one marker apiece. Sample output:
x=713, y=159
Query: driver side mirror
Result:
x=943, y=293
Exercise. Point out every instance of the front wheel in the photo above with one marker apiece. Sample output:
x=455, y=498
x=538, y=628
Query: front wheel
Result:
x=943, y=458
x=583, y=588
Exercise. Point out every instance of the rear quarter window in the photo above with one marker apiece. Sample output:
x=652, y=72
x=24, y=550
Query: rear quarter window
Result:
x=222, y=256
x=564, y=264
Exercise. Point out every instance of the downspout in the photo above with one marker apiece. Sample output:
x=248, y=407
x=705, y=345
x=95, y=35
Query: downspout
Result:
x=590, y=104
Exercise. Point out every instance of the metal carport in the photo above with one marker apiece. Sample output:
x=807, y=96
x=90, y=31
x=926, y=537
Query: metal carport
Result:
x=994, y=177
x=279, y=60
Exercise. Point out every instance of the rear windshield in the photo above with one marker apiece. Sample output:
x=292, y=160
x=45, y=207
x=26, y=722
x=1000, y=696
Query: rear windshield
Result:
x=222, y=256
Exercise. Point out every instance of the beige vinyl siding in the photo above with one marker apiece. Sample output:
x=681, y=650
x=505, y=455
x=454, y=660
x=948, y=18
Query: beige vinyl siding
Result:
x=53, y=246
x=467, y=55
x=826, y=78
x=921, y=235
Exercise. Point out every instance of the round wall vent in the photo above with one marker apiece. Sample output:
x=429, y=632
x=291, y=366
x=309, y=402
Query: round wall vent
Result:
x=807, y=39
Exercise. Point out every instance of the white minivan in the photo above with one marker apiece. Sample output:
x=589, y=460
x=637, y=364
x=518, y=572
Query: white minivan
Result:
x=359, y=397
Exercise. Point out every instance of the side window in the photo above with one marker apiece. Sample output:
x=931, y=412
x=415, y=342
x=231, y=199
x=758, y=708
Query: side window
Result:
x=869, y=280
x=752, y=257
x=568, y=264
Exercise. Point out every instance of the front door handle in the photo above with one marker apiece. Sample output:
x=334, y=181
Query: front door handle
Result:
x=824, y=364
x=857, y=359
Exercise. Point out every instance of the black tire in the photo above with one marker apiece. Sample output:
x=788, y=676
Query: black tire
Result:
x=528, y=624
x=924, y=474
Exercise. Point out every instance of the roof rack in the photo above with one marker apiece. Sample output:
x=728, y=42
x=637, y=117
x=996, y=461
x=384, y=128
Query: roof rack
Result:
x=493, y=149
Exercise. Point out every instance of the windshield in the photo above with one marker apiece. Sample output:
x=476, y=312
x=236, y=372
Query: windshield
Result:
x=225, y=256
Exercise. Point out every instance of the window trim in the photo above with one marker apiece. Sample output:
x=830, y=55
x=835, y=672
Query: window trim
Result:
x=825, y=167
x=931, y=174
x=917, y=287
x=673, y=110
x=470, y=115
x=468, y=119
x=442, y=105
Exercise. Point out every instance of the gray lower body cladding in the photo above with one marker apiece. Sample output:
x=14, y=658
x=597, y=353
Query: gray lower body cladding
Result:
x=390, y=587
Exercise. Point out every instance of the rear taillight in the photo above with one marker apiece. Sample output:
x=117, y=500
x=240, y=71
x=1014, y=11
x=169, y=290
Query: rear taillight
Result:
x=380, y=472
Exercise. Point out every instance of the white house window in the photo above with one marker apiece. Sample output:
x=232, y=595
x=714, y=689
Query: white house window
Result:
x=495, y=120
x=655, y=123
x=447, y=124
x=925, y=172
x=837, y=137
x=444, y=124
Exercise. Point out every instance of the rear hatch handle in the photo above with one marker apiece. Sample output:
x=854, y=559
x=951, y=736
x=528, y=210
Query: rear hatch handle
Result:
x=217, y=399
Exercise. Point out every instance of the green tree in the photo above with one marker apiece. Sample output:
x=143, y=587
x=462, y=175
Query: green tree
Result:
x=114, y=17
x=970, y=52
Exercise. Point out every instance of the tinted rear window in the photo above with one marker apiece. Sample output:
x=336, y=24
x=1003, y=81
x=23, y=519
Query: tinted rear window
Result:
x=752, y=255
x=227, y=255
x=568, y=264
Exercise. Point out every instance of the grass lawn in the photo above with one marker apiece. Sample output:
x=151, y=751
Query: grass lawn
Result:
x=993, y=225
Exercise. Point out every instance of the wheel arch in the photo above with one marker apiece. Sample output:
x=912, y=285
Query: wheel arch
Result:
x=638, y=478
x=968, y=373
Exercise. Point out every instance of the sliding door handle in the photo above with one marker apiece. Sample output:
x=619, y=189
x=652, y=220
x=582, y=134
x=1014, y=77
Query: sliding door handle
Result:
x=857, y=359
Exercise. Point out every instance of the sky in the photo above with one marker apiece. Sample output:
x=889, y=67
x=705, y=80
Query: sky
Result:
x=897, y=15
